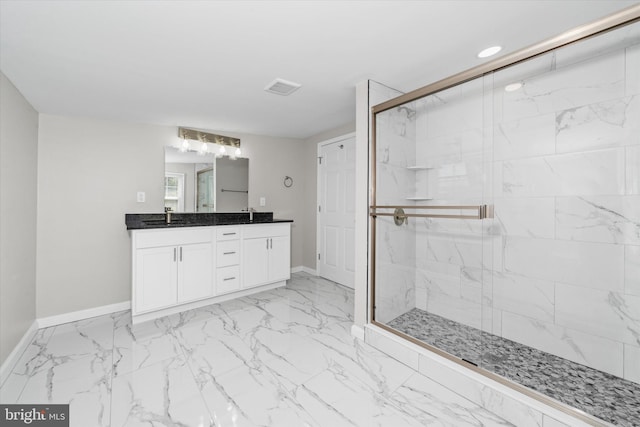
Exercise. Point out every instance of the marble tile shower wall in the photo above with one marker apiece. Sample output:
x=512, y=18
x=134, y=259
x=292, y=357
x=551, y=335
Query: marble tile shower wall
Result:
x=558, y=268
x=450, y=252
x=570, y=213
x=395, y=246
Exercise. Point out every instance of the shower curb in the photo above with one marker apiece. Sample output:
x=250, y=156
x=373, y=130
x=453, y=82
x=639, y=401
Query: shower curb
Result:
x=510, y=404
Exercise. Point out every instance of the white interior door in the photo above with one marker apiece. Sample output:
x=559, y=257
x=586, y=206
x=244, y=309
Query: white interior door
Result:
x=336, y=210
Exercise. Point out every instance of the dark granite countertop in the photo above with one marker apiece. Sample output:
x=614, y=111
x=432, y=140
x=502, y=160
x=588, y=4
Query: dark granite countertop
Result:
x=150, y=221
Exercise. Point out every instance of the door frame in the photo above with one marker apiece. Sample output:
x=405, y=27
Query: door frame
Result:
x=319, y=188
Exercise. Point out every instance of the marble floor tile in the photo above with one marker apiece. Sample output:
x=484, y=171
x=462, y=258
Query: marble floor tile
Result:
x=82, y=338
x=142, y=345
x=335, y=399
x=29, y=363
x=281, y=358
x=255, y=395
x=427, y=401
x=161, y=394
x=85, y=384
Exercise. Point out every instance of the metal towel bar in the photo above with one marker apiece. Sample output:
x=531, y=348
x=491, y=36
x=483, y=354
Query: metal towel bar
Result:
x=234, y=191
x=481, y=211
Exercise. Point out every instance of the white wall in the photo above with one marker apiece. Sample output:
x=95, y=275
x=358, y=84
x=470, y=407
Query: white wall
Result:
x=361, y=285
x=270, y=160
x=18, y=172
x=88, y=174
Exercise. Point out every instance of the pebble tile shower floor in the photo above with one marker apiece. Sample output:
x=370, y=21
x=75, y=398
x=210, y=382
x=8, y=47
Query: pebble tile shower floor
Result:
x=595, y=392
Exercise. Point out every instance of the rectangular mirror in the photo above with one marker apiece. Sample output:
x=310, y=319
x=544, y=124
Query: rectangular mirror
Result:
x=196, y=182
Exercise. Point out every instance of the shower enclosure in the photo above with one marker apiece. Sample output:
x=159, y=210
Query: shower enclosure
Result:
x=505, y=217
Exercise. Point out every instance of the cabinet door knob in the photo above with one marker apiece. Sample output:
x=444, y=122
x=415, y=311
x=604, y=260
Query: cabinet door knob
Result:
x=229, y=253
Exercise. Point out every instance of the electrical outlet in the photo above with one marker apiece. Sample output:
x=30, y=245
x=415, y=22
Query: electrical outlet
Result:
x=141, y=197
x=263, y=201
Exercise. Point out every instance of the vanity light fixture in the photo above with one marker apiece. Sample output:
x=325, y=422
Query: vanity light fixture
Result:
x=205, y=139
x=513, y=86
x=490, y=51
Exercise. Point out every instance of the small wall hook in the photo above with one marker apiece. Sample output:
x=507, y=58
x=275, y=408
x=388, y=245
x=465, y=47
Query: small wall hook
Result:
x=288, y=181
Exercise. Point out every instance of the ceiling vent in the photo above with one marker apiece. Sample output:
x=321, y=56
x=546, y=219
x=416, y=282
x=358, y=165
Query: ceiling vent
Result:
x=282, y=87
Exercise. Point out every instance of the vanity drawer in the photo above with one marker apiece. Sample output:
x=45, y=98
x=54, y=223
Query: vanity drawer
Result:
x=227, y=233
x=228, y=253
x=227, y=279
x=172, y=237
x=264, y=230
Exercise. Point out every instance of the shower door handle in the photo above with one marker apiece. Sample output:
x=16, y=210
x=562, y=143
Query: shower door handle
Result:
x=481, y=211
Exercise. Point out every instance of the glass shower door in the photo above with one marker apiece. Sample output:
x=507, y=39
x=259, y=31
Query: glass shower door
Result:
x=506, y=223
x=205, y=190
x=431, y=254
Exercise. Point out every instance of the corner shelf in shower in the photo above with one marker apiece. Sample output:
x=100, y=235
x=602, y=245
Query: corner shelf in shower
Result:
x=416, y=168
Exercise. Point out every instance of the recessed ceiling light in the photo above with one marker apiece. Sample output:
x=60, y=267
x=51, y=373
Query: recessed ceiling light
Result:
x=489, y=51
x=513, y=87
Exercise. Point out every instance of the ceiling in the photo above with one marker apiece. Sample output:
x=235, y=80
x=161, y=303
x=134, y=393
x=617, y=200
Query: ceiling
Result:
x=204, y=64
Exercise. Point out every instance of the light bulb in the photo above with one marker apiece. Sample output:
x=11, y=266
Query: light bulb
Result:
x=238, y=152
x=185, y=145
x=222, y=151
x=203, y=149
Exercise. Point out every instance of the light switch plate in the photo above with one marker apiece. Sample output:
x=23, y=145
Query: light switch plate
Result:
x=263, y=201
x=141, y=197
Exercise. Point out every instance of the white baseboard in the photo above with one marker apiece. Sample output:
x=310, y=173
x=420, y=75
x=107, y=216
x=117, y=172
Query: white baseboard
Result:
x=303, y=269
x=74, y=316
x=358, y=332
x=310, y=271
x=12, y=359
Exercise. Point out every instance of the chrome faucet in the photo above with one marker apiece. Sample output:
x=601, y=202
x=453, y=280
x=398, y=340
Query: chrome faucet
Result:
x=251, y=211
x=167, y=215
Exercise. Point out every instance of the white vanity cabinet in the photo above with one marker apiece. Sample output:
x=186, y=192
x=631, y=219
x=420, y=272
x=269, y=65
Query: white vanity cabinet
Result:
x=227, y=259
x=178, y=269
x=155, y=279
x=266, y=254
x=171, y=267
x=194, y=272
